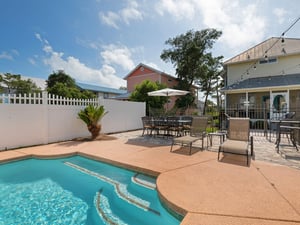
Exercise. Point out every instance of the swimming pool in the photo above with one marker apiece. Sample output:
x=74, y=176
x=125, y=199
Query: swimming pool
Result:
x=77, y=190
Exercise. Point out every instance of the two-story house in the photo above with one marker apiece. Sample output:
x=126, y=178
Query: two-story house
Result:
x=144, y=72
x=265, y=76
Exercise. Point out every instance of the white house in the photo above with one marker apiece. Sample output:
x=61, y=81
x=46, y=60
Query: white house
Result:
x=266, y=75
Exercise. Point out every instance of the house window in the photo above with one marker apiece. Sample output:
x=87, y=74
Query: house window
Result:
x=105, y=95
x=268, y=60
x=170, y=80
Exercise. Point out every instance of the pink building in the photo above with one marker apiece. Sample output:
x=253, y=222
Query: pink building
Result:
x=143, y=72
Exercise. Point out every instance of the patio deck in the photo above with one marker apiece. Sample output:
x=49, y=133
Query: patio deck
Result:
x=207, y=191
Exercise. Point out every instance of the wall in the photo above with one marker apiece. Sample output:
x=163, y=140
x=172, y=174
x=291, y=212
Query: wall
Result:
x=42, y=123
x=284, y=64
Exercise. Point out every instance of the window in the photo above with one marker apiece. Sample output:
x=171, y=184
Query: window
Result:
x=105, y=95
x=268, y=60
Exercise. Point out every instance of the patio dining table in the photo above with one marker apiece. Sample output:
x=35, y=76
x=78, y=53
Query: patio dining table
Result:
x=168, y=124
x=286, y=127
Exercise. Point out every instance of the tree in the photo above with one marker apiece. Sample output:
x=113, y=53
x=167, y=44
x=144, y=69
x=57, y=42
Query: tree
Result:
x=15, y=84
x=190, y=56
x=140, y=94
x=91, y=116
x=210, y=79
x=61, y=84
x=60, y=77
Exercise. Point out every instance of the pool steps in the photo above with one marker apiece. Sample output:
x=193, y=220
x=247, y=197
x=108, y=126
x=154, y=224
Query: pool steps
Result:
x=143, y=181
x=103, y=208
x=121, y=189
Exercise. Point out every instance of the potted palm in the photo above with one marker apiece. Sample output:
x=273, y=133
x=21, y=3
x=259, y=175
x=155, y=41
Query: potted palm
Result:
x=91, y=116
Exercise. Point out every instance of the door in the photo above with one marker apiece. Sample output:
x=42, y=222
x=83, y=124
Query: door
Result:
x=279, y=104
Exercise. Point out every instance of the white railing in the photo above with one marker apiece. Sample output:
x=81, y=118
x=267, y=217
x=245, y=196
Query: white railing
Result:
x=44, y=98
x=41, y=119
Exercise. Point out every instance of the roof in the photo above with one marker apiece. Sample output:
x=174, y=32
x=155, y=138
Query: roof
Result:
x=95, y=88
x=264, y=82
x=122, y=96
x=272, y=47
x=150, y=68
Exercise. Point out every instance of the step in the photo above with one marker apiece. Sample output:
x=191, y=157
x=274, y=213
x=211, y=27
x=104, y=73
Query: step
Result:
x=145, y=181
x=103, y=208
x=120, y=189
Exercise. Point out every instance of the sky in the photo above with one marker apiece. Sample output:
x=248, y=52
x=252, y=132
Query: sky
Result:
x=100, y=41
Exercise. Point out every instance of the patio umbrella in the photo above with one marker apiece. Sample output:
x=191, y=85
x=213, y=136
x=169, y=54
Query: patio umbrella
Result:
x=167, y=92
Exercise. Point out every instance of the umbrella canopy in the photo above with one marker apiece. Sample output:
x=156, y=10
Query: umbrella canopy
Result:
x=167, y=92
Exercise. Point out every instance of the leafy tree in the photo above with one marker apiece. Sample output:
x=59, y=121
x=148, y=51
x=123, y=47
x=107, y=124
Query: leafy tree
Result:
x=190, y=56
x=15, y=84
x=60, y=77
x=140, y=94
x=123, y=88
x=91, y=116
x=61, y=84
x=210, y=79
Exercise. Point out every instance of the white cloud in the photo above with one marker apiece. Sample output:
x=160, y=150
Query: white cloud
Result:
x=110, y=19
x=118, y=55
x=5, y=55
x=31, y=61
x=105, y=76
x=131, y=12
x=182, y=9
x=127, y=14
x=280, y=13
x=237, y=21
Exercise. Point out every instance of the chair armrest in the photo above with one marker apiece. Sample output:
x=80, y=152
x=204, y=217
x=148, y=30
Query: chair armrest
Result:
x=251, y=145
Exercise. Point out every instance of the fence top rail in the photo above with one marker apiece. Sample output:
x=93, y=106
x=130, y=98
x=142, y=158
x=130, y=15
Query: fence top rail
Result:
x=44, y=98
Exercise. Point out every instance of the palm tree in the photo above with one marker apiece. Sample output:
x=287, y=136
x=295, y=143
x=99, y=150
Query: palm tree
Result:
x=91, y=115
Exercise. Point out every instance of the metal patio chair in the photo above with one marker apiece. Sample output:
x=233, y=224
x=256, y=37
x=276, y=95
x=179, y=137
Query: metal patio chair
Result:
x=238, y=138
x=197, y=132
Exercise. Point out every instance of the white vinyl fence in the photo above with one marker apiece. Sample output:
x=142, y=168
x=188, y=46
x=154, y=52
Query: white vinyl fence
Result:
x=42, y=119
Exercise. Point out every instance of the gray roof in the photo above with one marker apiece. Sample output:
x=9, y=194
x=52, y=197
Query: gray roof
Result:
x=264, y=82
x=273, y=47
x=95, y=88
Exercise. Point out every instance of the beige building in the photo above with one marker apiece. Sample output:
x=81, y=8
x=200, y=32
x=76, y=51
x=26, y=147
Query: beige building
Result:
x=265, y=76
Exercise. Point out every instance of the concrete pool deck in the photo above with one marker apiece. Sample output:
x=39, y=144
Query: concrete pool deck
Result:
x=208, y=192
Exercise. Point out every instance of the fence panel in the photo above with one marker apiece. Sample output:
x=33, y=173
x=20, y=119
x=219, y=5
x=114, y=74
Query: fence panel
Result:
x=41, y=119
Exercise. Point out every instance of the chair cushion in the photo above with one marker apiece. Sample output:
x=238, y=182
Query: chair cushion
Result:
x=233, y=146
x=186, y=139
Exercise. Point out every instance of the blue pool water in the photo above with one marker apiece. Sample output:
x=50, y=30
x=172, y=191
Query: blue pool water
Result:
x=77, y=190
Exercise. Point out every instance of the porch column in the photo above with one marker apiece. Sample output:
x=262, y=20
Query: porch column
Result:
x=246, y=104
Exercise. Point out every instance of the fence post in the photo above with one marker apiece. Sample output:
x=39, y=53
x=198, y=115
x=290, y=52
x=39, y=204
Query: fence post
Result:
x=45, y=117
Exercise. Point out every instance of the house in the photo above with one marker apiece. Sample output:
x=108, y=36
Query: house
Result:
x=144, y=72
x=265, y=76
x=101, y=92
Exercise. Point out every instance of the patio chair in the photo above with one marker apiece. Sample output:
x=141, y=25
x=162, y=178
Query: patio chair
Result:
x=238, y=138
x=197, y=132
x=174, y=125
x=147, y=124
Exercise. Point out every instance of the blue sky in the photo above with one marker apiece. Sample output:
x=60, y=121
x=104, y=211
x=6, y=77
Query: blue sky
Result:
x=100, y=41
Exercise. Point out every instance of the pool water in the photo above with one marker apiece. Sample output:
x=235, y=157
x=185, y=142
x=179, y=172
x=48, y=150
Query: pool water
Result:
x=77, y=190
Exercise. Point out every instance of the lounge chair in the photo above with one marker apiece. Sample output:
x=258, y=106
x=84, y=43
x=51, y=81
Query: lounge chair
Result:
x=238, y=138
x=197, y=132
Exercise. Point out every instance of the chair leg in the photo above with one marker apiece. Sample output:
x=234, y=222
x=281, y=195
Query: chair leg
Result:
x=171, y=146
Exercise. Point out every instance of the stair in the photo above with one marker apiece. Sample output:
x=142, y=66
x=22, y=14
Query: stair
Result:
x=119, y=188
